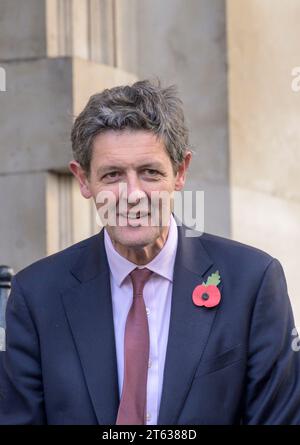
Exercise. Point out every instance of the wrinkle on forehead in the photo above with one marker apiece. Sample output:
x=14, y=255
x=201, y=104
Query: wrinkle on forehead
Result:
x=129, y=150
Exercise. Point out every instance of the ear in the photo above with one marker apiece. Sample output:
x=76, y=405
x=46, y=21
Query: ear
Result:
x=181, y=173
x=82, y=179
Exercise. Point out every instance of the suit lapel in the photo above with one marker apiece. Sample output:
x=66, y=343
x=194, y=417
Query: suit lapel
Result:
x=89, y=312
x=190, y=326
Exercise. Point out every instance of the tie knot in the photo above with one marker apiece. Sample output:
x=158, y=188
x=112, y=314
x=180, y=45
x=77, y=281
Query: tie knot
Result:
x=139, y=277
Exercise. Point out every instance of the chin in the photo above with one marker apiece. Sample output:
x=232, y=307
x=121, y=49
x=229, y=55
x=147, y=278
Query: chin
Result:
x=135, y=236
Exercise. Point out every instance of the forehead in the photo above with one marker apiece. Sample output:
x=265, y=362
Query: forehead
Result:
x=127, y=144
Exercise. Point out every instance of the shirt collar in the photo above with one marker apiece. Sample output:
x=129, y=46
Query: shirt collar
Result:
x=162, y=264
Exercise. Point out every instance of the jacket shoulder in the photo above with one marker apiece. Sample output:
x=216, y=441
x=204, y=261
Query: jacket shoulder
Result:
x=235, y=253
x=54, y=266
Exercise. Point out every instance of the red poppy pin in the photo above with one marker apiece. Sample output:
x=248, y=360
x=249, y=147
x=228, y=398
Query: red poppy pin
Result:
x=207, y=294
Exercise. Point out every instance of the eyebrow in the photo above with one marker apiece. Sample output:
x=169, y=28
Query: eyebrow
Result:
x=150, y=165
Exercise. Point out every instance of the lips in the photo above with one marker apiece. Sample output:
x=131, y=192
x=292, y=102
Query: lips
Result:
x=136, y=215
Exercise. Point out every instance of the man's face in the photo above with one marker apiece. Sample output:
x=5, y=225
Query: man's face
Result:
x=138, y=162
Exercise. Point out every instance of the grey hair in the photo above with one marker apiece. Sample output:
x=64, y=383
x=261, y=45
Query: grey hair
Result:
x=145, y=105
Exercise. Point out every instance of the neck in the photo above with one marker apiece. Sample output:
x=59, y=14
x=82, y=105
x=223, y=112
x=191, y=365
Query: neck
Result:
x=142, y=255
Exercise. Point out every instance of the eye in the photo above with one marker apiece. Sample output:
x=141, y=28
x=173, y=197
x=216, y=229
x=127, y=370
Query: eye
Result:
x=111, y=175
x=151, y=171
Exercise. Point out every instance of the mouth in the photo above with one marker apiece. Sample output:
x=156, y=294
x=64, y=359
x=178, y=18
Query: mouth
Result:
x=134, y=216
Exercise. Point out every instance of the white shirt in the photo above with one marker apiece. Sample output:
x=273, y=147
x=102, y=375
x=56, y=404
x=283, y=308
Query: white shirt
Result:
x=157, y=296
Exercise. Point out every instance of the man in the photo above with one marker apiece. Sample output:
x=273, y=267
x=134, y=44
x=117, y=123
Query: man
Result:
x=141, y=324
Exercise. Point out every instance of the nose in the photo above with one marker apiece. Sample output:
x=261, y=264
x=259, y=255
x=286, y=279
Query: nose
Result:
x=133, y=184
x=133, y=189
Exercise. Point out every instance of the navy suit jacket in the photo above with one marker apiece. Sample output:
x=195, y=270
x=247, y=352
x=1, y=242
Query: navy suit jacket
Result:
x=229, y=364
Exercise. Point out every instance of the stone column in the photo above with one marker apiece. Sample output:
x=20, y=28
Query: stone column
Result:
x=263, y=40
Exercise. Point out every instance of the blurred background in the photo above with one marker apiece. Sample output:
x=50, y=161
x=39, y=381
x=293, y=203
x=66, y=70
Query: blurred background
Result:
x=237, y=67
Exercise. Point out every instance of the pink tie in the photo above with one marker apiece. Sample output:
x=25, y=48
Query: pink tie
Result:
x=132, y=409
